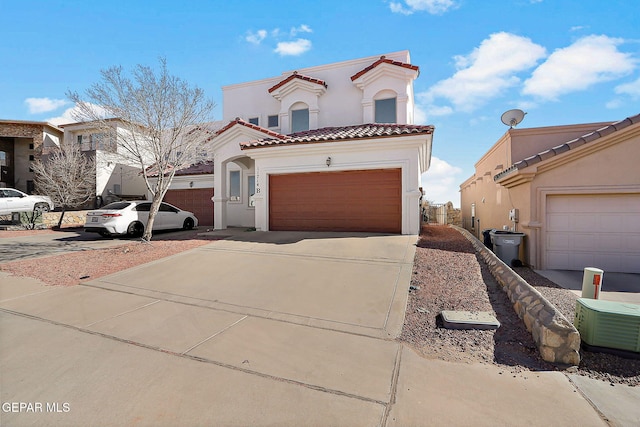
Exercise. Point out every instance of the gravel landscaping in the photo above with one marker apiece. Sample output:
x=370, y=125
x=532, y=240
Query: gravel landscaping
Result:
x=448, y=275
x=72, y=268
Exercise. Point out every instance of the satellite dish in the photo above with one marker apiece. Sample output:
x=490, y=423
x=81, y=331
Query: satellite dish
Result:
x=511, y=118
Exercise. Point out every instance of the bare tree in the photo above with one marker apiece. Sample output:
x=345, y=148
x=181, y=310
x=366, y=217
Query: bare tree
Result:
x=162, y=118
x=67, y=176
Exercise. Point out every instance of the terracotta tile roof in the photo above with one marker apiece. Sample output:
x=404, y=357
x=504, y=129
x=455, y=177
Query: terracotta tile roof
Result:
x=569, y=145
x=343, y=133
x=239, y=121
x=384, y=60
x=153, y=170
x=295, y=75
x=200, y=168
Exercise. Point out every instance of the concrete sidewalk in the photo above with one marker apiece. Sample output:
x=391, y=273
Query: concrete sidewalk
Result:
x=268, y=329
x=621, y=287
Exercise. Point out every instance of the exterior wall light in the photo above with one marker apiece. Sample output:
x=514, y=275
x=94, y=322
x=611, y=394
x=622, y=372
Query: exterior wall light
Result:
x=328, y=161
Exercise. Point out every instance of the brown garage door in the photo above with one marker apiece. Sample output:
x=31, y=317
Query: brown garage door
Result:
x=365, y=200
x=196, y=200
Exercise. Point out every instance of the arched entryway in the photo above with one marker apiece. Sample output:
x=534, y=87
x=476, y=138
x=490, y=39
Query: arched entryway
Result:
x=235, y=183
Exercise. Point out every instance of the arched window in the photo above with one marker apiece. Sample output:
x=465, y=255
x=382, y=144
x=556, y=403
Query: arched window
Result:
x=299, y=117
x=385, y=107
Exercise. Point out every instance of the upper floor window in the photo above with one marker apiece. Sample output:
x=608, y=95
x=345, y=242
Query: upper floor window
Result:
x=273, y=121
x=385, y=110
x=79, y=139
x=254, y=120
x=299, y=120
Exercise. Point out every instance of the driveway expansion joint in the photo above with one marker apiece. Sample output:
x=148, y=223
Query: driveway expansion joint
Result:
x=199, y=359
x=380, y=331
x=123, y=313
x=308, y=256
x=214, y=335
x=394, y=386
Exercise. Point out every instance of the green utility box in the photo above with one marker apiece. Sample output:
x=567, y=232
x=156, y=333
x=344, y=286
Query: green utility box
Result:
x=609, y=324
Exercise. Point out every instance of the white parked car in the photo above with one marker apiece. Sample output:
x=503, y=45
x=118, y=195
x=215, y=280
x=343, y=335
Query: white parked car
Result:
x=12, y=200
x=131, y=217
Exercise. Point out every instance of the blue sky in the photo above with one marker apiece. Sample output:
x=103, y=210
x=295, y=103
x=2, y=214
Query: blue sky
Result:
x=561, y=61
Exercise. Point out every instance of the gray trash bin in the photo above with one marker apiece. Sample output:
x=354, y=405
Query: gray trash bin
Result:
x=506, y=245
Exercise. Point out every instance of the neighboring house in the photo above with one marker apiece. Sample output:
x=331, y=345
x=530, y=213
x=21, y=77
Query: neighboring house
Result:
x=22, y=142
x=115, y=177
x=576, y=190
x=302, y=151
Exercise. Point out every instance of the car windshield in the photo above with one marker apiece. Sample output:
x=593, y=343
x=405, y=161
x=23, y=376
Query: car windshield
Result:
x=115, y=206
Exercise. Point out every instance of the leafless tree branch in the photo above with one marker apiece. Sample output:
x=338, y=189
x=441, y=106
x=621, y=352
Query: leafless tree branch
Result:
x=159, y=122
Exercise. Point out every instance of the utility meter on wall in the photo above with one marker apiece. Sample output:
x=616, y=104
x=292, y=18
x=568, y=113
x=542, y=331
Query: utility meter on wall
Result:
x=513, y=215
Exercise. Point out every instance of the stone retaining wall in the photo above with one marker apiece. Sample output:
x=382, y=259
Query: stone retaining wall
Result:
x=557, y=339
x=70, y=219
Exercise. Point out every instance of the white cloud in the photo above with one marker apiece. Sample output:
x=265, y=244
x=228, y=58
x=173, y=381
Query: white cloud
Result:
x=434, y=7
x=419, y=115
x=301, y=29
x=632, y=89
x=66, y=117
x=257, y=37
x=614, y=103
x=590, y=60
x=71, y=115
x=284, y=47
x=441, y=182
x=626, y=91
x=399, y=8
x=434, y=110
x=44, y=105
x=487, y=71
x=475, y=121
x=294, y=48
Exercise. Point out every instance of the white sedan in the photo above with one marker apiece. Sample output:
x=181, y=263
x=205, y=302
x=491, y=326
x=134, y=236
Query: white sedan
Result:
x=12, y=200
x=131, y=218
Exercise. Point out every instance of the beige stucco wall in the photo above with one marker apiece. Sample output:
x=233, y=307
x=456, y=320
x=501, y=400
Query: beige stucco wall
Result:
x=528, y=142
x=491, y=200
x=605, y=166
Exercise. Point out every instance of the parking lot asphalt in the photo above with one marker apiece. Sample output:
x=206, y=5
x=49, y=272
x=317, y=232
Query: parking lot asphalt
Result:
x=261, y=329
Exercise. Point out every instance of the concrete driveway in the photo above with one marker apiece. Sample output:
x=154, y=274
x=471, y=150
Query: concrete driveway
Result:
x=259, y=329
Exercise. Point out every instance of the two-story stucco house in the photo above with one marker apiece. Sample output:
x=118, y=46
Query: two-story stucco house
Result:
x=331, y=147
x=114, y=176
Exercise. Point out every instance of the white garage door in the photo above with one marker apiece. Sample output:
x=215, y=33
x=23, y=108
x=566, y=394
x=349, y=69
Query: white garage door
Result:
x=600, y=231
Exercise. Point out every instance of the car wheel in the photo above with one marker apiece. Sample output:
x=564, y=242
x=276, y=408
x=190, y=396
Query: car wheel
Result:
x=105, y=233
x=188, y=224
x=41, y=207
x=135, y=229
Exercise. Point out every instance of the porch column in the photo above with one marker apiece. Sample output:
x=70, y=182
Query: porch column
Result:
x=220, y=195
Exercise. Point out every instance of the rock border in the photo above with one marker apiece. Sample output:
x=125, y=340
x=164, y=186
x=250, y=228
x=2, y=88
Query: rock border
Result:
x=70, y=219
x=557, y=339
